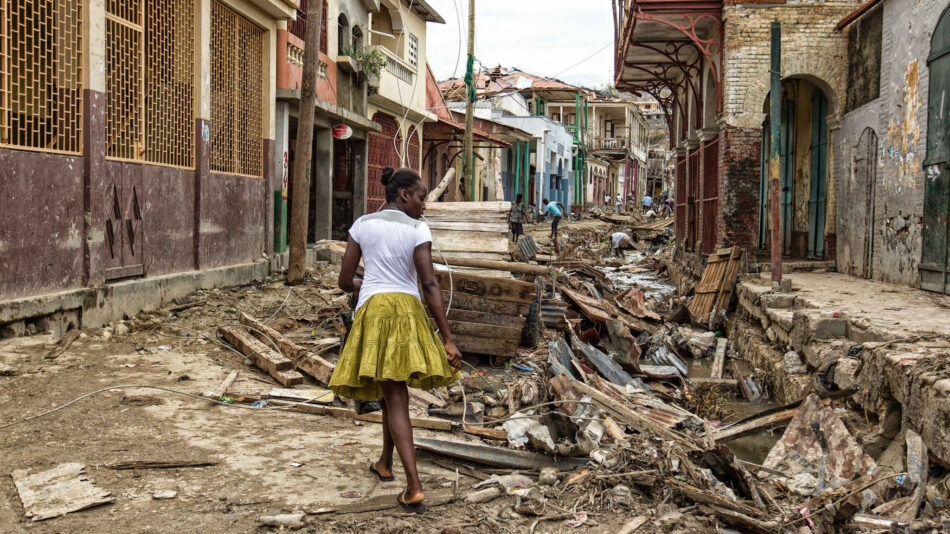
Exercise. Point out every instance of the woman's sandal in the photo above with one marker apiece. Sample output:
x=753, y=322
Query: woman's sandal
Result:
x=417, y=508
x=390, y=478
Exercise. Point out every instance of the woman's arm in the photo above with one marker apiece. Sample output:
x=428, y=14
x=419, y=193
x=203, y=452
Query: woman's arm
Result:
x=351, y=261
x=432, y=294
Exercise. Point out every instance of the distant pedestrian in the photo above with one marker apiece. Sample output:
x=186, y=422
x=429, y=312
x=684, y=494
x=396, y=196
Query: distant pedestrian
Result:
x=516, y=218
x=620, y=241
x=647, y=202
x=552, y=209
x=606, y=201
x=619, y=207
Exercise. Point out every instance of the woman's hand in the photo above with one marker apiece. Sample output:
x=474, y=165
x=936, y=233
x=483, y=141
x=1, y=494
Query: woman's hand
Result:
x=455, y=357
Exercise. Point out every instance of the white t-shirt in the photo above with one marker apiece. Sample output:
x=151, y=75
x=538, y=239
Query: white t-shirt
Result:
x=388, y=240
x=617, y=238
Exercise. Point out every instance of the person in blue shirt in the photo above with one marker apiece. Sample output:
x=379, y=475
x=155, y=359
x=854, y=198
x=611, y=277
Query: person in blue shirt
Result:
x=552, y=209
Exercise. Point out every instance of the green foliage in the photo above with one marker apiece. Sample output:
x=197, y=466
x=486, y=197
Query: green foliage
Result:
x=370, y=59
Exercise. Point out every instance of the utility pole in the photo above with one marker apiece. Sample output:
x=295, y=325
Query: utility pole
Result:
x=775, y=174
x=469, y=163
x=300, y=204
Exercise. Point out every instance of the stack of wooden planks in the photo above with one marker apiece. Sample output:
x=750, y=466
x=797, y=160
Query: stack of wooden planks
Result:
x=716, y=286
x=471, y=230
x=488, y=314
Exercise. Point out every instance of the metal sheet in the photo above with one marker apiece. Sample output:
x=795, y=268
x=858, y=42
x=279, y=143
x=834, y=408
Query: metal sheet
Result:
x=498, y=457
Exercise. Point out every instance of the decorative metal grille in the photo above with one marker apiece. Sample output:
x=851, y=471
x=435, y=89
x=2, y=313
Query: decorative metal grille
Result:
x=125, y=124
x=149, y=81
x=237, y=50
x=169, y=82
x=40, y=75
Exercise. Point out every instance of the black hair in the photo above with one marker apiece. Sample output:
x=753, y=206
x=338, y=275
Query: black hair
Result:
x=395, y=181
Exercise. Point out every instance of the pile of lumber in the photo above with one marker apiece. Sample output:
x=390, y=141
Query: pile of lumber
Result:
x=470, y=230
x=488, y=314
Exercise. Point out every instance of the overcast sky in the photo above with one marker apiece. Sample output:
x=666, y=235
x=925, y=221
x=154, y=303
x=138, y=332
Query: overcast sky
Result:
x=544, y=37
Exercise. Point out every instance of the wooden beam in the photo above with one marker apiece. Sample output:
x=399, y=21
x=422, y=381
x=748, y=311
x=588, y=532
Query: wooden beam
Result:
x=504, y=289
x=264, y=357
x=223, y=387
x=302, y=359
x=484, y=305
x=720, y=358
x=509, y=266
x=443, y=185
x=489, y=346
x=766, y=422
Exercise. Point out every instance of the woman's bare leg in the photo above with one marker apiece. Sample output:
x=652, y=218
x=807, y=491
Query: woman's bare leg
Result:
x=385, y=464
x=400, y=431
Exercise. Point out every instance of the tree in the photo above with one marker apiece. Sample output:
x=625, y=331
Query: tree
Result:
x=300, y=203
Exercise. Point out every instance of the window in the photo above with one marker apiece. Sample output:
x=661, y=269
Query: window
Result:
x=413, y=50
x=149, y=81
x=237, y=48
x=298, y=28
x=40, y=75
x=323, y=28
x=570, y=119
x=556, y=117
x=608, y=129
x=342, y=31
x=357, y=38
x=864, y=59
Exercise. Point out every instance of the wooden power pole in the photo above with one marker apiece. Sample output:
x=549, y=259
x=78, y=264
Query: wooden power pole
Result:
x=775, y=164
x=300, y=203
x=469, y=164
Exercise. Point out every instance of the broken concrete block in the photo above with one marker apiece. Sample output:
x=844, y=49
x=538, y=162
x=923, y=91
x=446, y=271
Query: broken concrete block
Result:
x=164, y=494
x=846, y=373
x=778, y=300
x=6, y=370
x=122, y=329
x=793, y=363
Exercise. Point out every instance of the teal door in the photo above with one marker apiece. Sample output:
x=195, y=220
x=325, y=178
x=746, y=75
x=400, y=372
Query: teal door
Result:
x=764, y=187
x=819, y=168
x=788, y=171
x=934, y=270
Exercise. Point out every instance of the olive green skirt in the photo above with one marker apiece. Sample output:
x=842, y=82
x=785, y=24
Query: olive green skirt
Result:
x=391, y=340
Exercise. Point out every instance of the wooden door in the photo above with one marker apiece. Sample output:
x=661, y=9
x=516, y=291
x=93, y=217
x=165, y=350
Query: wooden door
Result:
x=819, y=168
x=787, y=142
x=123, y=225
x=935, y=252
x=865, y=171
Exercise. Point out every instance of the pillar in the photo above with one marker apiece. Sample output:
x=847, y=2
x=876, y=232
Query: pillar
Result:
x=360, y=171
x=321, y=200
x=281, y=173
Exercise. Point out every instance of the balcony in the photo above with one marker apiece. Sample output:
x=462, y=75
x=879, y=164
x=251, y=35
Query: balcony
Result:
x=599, y=142
x=398, y=68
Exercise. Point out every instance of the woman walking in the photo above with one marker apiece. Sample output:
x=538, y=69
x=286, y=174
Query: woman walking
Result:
x=391, y=345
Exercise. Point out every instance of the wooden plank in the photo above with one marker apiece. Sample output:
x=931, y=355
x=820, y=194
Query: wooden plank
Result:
x=461, y=301
x=639, y=422
x=720, y=359
x=302, y=359
x=766, y=422
x=508, y=290
x=509, y=266
x=707, y=497
x=468, y=207
x=507, y=333
x=223, y=387
x=485, y=318
x=487, y=433
x=274, y=363
x=468, y=226
x=430, y=423
x=474, y=242
x=488, y=346
x=65, y=488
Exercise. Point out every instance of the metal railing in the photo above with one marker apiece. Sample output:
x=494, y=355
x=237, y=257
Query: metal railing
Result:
x=237, y=53
x=41, y=75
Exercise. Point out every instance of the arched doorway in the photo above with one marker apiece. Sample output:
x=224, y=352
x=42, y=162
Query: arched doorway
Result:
x=935, y=249
x=803, y=151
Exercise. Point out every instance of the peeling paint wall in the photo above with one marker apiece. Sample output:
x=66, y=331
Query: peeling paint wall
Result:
x=899, y=117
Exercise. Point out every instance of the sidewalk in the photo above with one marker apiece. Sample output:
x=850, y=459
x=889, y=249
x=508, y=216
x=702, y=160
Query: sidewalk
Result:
x=888, y=343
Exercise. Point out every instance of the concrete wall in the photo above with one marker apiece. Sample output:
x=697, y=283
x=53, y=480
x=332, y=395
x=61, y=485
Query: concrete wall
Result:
x=53, y=233
x=899, y=117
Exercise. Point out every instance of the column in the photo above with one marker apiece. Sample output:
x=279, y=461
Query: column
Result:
x=281, y=173
x=321, y=200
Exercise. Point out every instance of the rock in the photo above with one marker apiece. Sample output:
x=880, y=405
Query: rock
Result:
x=106, y=334
x=6, y=370
x=122, y=330
x=165, y=494
x=803, y=484
x=83, y=335
x=283, y=520
x=548, y=477
x=793, y=363
x=485, y=495
x=531, y=502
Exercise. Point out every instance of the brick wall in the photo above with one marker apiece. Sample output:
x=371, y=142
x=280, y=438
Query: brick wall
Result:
x=739, y=179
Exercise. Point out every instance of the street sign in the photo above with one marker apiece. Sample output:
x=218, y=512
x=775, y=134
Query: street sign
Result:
x=342, y=131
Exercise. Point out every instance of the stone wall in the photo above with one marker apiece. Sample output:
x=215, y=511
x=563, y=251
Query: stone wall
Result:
x=899, y=119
